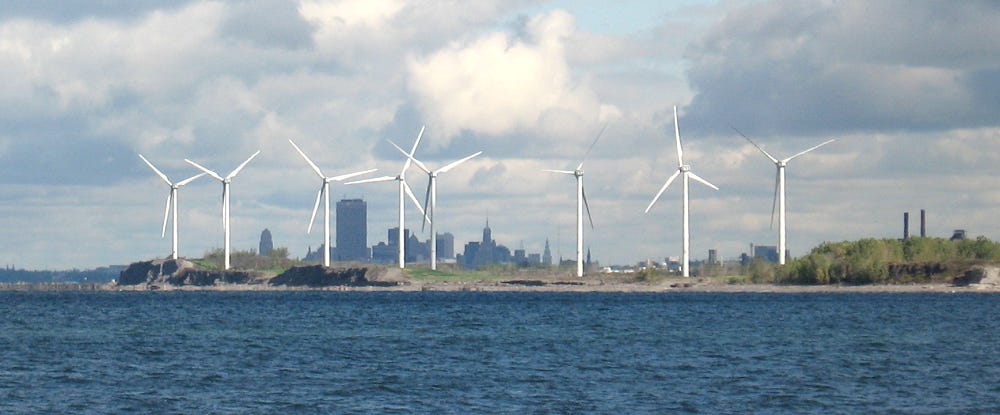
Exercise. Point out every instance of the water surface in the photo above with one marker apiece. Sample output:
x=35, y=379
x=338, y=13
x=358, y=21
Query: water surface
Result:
x=459, y=353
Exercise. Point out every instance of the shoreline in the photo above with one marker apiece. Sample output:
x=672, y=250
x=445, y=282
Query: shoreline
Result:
x=580, y=286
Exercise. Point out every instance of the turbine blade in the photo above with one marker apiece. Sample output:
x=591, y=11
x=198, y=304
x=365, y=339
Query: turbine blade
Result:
x=166, y=214
x=677, y=136
x=238, y=169
x=773, y=160
x=587, y=207
x=560, y=171
x=413, y=198
x=189, y=180
x=703, y=181
x=810, y=149
x=304, y=156
x=343, y=177
x=592, y=146
x=319, y=195
x=662, y=189
x=410, y=158
x=373, y=180
x=454, y=164
x=774, y=203
x=207, y=171
x=427, y=198
x=157, y=171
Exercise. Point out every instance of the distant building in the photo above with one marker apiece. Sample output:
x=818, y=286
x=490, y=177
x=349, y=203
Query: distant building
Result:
x=445, y=246
x=352, y=230
x=547, y=255
x=383, y=253
x=469, y=254
x=768, y=253
x=534, y=259
x=266, y=245
x=484, y=252
x=958, y=235
x=520, y=257
x=713, y=257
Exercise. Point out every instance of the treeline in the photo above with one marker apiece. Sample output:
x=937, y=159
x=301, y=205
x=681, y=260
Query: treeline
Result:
x=881, y=261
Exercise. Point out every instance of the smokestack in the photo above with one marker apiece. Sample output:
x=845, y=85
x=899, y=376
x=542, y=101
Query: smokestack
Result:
x=923, y=224
x=906, y=225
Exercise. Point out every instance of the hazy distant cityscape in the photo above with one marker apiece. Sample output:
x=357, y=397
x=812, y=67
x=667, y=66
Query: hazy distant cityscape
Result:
x=352, y=245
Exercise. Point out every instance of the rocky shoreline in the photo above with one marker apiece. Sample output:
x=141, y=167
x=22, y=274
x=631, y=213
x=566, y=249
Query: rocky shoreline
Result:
x=180, y=275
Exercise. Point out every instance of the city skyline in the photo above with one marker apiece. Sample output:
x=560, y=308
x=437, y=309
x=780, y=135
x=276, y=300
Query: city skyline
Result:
x=907, y=89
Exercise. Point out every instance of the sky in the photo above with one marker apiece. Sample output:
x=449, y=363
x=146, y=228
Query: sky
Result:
x=910, y=91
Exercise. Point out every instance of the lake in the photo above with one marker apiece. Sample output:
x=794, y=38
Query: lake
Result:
x=468, y=352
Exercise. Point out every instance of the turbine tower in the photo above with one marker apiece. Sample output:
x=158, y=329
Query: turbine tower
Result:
x=324, y=190
x=581, y=204
x=225, y=199
x=403, y=189
x=171, y=199
x=779, y=190
x=685, y=172
x=431, y=195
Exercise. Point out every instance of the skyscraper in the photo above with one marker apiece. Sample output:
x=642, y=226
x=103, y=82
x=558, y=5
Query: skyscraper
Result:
x=352, y=230
x=547, y=255
x=266, y=245
x=445, y=246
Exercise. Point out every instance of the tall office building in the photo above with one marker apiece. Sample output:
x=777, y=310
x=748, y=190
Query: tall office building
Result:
x=266, y=245
x=352, y=230
x=445, y=246
x=547, y=255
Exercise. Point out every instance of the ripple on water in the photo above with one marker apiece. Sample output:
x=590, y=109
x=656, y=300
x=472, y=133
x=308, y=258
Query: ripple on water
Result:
x=456, y=353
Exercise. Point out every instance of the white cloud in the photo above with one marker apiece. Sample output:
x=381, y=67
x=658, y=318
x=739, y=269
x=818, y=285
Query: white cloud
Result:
x=498, y=84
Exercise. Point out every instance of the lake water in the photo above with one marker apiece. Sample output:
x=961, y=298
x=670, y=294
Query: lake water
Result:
x=460, y=353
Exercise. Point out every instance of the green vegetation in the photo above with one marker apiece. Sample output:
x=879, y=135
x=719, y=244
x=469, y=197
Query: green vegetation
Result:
x=880, y=261
x=277, y=261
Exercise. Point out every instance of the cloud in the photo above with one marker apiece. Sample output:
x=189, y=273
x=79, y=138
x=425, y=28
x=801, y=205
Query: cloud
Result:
x=268, y=23
x=499, y=84
x=811, y=67
x=74, y=11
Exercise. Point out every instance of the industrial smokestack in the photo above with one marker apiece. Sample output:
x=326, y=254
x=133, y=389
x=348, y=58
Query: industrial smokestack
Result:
x=906, y=225
x=923, y=224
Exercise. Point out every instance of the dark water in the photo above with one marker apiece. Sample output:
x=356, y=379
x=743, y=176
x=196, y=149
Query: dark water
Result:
x=302, y=352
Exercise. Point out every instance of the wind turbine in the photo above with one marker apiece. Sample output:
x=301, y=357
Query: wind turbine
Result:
x=324, y=190
x=581, y=203
x=779, y=190
x=172, y=197
x=403, y=188
x=432, y=194
x=225, y=198
x=685, y=172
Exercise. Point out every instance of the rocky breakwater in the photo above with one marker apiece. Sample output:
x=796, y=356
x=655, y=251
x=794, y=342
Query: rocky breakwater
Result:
x=317, y=276
x=979, y=276
x=178, y=272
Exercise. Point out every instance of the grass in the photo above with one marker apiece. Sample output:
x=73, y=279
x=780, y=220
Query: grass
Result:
x=449, y=274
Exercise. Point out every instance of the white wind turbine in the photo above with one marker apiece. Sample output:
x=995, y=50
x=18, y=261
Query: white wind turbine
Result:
x=324, y=190
x=581, y=204
x=431, y=195
x=171, y=199
x=779, y=191
x=225, y=198
x=685, y=172
x=403, y=188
